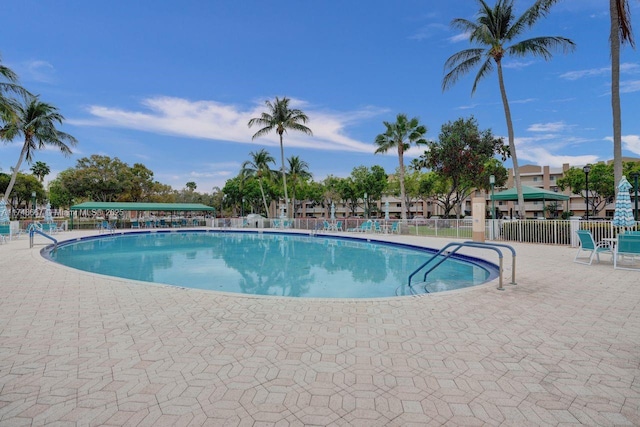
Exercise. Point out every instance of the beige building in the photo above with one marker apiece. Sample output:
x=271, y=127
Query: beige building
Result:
x=544, y=177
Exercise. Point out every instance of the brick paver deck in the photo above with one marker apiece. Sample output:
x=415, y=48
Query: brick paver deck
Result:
x=562, y=347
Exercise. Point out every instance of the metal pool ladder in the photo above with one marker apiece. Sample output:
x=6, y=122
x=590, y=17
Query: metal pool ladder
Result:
x=33, y=231
x=469, y=244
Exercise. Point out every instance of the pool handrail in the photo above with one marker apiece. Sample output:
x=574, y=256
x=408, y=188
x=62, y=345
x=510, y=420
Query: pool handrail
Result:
x=458, y=246
x=34, y=230
x=513, y=256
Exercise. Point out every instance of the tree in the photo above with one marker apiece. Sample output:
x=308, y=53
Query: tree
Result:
x=258, y=167
x=620, y=33
x=493, y=29
x=401, y=135
x=40, y=170
x=462, y=154
x=191, y=186
x=36, y=122
x=298, y=171
x=371, y=182
x=601, y=185
x=280, y=118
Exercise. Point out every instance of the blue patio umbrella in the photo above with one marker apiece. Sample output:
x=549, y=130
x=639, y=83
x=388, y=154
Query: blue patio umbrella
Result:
x=4, y=216
x=47, y=213
x=623, y=215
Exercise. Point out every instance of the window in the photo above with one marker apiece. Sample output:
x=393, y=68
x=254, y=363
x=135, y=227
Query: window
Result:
x=535, y=179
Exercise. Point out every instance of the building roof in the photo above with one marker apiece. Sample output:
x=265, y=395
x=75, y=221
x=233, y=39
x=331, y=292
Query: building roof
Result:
x=529, y=193
x=134, y=206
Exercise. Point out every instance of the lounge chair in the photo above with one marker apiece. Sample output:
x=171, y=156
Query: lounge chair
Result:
x=5, y=230
x=135, y=223
x=338, y=226
x=106, y=227
x=588, y=244
x=326, y=226
x=628, y=246
x=376, y=227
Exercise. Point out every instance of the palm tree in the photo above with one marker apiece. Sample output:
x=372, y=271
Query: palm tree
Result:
x=280, y=118
x=298, y=169
x=401, y=135
x=492, y=30
x=258, y=166
x=40, y=170
x=8, y=106
x=621, y=33
x=36, y=122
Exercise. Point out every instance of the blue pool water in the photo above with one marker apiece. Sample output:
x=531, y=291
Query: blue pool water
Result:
x=267, y=263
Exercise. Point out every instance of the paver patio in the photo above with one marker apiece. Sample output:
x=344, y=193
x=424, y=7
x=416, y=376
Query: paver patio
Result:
x=562, y=347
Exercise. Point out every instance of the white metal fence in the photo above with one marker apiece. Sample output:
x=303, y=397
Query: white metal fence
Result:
x=550, y=232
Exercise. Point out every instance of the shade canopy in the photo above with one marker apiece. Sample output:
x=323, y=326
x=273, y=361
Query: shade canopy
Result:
x=529, y=193
x=134, y=206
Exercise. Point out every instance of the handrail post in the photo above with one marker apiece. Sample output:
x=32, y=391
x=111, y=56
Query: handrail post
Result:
x=500, y=287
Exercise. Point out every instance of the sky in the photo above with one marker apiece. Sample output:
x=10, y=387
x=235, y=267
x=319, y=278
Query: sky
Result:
x=172, y=85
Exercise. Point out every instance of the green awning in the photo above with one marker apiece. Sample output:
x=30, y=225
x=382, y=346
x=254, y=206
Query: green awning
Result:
x=529, y=193
x=134, y=206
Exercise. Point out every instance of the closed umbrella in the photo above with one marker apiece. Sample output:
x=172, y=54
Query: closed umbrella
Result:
x=623, y=215
x=47, y=213
x=4, y=216
x=333, y=210
x=386, y=210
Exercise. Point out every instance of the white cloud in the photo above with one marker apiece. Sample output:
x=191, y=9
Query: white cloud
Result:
x=548, y=127
x=630, y=86
x=523, y=101
x=459, y=38
x=40, y=71
x=542, y=156
x=212, y=120
x=593, y=72
x=629, y=142
x=517, y=64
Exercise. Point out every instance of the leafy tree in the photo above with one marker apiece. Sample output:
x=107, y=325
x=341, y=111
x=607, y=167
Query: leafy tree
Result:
x=298, y=172
x=601, y=185
x=461, y=155
x=349, y=194
x=412, y=180
x=401, y=135
x=258, y=166
x=24, y=185
x=191, y=186
x=36, y=122
x=620, y=33
x=370, y=181
x=40, y=170
x=492, y=31
x=281, y=118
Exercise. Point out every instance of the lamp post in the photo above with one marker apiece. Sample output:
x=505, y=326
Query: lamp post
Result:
x=586, y=171
x=635, y=175
x=366, y=212
x=33, y=205
x=492, y=181
x=242, y=208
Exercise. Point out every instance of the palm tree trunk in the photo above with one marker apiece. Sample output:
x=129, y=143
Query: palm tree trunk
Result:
x=15, y=172
x=614, y=38
x=512, y=143
x=403, y=204
x=264, y=199
x=284, y=177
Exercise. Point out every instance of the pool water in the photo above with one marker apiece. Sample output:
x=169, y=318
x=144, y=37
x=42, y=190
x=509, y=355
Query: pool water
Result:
x=267, y=263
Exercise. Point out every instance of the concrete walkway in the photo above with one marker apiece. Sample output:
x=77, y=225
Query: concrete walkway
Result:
x=562, y=347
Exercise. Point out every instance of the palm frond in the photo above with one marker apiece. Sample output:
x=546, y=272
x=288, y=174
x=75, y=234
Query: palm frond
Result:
x=471, y=58
x=541, y=46
x=624, y=22
x=483, y=71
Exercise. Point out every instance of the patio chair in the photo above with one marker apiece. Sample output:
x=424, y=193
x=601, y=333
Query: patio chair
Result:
x=5, y=230
x=628, y=246
x=395, y=228
x=588, y=244
x=106, y=227
x=135, y=223
x=338, y=226
x=376, y=227
x=326, y=226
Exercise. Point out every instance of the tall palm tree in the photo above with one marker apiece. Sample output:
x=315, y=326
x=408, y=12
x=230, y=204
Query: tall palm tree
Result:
x=36, y=122
x=401, y=135
x=298, y=169
x=621, y=33
x=258, y=166
x=40, y=170
x=280, y=118
x=495, y=31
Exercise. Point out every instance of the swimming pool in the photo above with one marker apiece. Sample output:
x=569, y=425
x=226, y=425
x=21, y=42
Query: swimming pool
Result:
x=292, y=265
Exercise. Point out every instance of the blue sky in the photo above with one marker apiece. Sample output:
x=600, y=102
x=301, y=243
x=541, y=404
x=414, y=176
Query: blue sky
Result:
x=172, y=84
